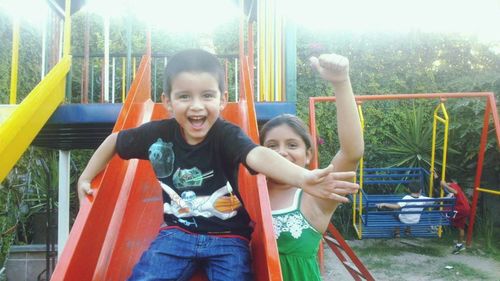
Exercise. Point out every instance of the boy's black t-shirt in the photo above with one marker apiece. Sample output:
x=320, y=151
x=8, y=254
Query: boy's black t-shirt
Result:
x=197, y=180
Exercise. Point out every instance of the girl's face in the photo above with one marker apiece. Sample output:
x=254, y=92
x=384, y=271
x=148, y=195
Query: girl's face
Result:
x=288, y=144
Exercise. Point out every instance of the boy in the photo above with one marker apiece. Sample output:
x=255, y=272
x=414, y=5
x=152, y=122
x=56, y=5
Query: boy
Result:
x=462, y=212
x=196, y=156
x=414, y=218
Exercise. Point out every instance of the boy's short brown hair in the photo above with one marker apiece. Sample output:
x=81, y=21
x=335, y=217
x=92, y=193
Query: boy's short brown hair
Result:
x=193, y=60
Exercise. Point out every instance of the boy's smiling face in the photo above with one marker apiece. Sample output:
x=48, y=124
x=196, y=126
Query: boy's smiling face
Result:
x=195, y=101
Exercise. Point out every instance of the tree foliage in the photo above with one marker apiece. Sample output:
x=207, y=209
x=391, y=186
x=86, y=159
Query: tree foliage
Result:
x=415, y=62
x=29, y=58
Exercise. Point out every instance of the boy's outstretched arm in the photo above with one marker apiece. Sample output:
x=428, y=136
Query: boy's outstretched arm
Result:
x=321, y=183
x=96, y=164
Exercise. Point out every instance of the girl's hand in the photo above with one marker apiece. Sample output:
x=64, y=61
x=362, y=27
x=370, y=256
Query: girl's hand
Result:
x=326, y=184
x=331, y=67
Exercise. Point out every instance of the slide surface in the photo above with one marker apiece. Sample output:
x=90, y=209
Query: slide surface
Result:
x=20, y=124
x=115, y=226
x=5, y=111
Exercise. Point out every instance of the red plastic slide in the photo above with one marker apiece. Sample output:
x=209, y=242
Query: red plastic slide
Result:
x=115, y=226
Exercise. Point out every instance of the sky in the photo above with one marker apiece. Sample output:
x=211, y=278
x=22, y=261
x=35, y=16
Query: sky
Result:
x=472, y=17
x=477, y=17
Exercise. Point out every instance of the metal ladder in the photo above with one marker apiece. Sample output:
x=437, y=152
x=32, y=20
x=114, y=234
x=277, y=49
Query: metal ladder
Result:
x=346, y=255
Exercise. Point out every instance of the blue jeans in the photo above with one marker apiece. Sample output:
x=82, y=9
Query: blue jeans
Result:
x=175, y=255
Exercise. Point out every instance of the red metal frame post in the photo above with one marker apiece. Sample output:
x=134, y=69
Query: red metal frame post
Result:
x=479, y=172
x=494, y=115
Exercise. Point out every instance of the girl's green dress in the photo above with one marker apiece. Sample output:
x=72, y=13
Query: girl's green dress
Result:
x=298, y=243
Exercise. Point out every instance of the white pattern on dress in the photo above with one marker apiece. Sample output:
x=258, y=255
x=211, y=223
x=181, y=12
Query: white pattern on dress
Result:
x=293, y=222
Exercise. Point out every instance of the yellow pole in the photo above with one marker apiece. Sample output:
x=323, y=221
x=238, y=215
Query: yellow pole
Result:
x=445, y=150
x=433, y=154
x=262, y=54
x=445, y=120
x=445, y=145
x=15, y=62
x=269, y=52
x=361, y=174
x=433, y=157
x=123, y=80
x=67, y=29
x=490, y=191
x=354, y=201
x=279, y=55
x=133, y=68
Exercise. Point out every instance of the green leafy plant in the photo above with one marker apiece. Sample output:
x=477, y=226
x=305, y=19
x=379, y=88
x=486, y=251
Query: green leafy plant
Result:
x=43, y=193
x=13, y=212
x=411, y=143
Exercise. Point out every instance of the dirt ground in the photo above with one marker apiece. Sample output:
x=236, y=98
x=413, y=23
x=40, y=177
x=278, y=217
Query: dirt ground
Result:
x=415, y=259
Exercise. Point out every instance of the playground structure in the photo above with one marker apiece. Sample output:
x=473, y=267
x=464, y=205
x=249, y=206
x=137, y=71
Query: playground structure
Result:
x=101, y=238
x=22, y=122
x=490, y=110
x=372, y=223
x=435, y=212
x=101, y=226
x=108, y=246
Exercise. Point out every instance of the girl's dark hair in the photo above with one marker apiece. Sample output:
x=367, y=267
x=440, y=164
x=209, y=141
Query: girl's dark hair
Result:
x=193, y=60
x=291, y=121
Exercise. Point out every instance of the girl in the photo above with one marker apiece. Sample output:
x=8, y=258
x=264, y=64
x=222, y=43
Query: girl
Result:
x=300, y=219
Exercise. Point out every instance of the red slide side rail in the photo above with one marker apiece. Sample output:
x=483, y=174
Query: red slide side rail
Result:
x=79, y=258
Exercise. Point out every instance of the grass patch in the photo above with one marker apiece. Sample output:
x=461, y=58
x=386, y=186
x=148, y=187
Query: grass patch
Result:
x=377, y=263
x=396, y=247
x=379, y=248
x=496, y=256
x=389, y=259
x=433, y=248
x=482, y=251
x=487, y=246
x=460, y=271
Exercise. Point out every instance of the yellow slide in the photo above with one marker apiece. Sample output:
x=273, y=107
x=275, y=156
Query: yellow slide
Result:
x=20, y=124
x=5, y=111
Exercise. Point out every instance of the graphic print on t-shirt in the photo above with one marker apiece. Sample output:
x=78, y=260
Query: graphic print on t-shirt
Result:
x=187, y=178
x=162, y=158
x=222, y=204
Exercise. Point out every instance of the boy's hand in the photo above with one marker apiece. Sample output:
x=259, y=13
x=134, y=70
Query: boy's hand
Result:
x=326, y=184
x=331, y=67
x=84, y=189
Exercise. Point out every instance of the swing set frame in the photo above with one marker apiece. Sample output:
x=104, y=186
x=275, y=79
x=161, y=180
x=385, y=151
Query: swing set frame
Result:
x=490, y=109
